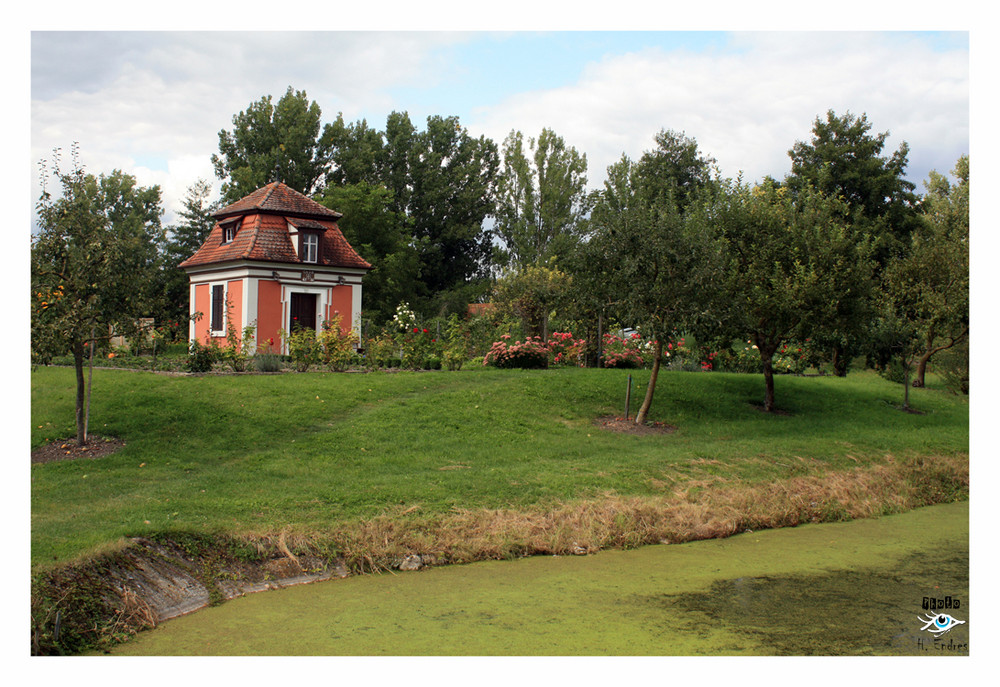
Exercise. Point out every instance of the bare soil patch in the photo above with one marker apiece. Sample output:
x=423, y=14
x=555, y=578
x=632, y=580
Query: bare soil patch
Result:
x=624, y=426
x=68, y=449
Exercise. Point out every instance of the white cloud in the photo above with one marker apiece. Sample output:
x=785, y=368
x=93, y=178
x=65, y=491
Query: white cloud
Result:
x=153, y=103
x=131, y=99
x=748, y=106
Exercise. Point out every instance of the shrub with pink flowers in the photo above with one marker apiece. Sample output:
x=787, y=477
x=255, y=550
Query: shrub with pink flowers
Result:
x=531, y=353
x=624, y=352
x=565, y=350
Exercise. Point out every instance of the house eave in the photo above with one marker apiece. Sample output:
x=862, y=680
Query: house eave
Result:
x=264, y=268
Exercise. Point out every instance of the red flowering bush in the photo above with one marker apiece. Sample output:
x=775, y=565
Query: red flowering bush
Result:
x=623, y=352
x=416, y=347
x=529, y=354
x=708, y=363
x=565, y=350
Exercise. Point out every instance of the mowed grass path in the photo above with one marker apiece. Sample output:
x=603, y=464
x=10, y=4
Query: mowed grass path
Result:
x=256, y=453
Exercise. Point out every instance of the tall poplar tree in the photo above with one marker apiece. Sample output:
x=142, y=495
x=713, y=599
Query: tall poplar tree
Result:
x=542, y=199
x=451, y=190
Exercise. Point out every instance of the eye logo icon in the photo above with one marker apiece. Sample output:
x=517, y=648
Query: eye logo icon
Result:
x=939, y=624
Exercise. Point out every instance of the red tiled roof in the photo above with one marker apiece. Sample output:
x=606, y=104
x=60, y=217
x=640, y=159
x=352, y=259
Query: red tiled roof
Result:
x=279, y=198
x=263, y=231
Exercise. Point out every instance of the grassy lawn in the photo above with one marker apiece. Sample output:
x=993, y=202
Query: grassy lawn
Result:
x=260, y=452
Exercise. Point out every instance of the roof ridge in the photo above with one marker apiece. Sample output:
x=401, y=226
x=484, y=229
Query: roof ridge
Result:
x=278, y=197
x=255, y=232
x=270, y=190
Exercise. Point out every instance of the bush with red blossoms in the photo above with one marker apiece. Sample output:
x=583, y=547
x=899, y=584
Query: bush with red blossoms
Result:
x=708, y=364
x=623, y=352
x=531, y=353
x=565, y=350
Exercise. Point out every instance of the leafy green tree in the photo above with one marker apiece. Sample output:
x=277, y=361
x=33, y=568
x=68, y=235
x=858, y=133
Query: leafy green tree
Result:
x=442, y=185
x=451, y=192
x=659, y=263
x=675, y=168
x=380, y=236
x=542, y=199
x=666, y=179
x=845, y=160
x=269, y=142
x=92, y=263
x=358, y=153
x=182, y=240
x=944, y=240
x=794, y=261
x=588, y=301
x=926, y=291
x=188, y=235
x=394, y=169
x=531, y=294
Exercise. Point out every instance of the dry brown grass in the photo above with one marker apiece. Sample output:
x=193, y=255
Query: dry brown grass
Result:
x=702, y=510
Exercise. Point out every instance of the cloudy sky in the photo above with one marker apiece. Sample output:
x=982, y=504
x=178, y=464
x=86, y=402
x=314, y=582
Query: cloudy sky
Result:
x=152, y=103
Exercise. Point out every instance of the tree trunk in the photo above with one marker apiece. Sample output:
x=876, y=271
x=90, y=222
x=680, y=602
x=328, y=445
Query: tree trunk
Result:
x=81, y=431
x=766, y=351
x=840, y=361
x=90, y=387
x=640, y=417
x=768, y=384
x=918, y=380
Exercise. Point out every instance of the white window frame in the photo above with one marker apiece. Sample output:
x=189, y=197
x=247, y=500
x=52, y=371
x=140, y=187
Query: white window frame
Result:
x=229, y=230
x=211, y=302
x=310, y=247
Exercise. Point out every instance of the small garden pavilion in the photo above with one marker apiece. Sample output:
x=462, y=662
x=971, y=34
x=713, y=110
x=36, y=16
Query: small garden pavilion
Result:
x=275, y=260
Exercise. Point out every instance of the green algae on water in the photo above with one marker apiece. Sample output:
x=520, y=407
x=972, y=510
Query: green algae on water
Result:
x=852, y=588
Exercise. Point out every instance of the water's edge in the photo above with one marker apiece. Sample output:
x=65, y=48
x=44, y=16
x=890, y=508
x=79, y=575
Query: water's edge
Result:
x=852, y=588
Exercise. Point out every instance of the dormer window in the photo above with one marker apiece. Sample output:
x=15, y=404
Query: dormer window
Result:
x=229, y=230
x=308, y=247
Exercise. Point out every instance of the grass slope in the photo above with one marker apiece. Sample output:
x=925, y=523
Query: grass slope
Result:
x=261, y=452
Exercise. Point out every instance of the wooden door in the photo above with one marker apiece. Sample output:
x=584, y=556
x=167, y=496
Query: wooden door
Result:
x=303, y=311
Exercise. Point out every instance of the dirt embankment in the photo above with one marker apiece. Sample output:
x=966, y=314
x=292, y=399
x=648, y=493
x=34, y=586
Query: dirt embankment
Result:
x=95, y=603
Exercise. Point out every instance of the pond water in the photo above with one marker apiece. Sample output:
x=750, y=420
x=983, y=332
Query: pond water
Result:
x=855, y=588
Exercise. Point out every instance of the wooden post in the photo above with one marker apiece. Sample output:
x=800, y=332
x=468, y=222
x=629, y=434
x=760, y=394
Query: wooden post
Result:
x=628, y=396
